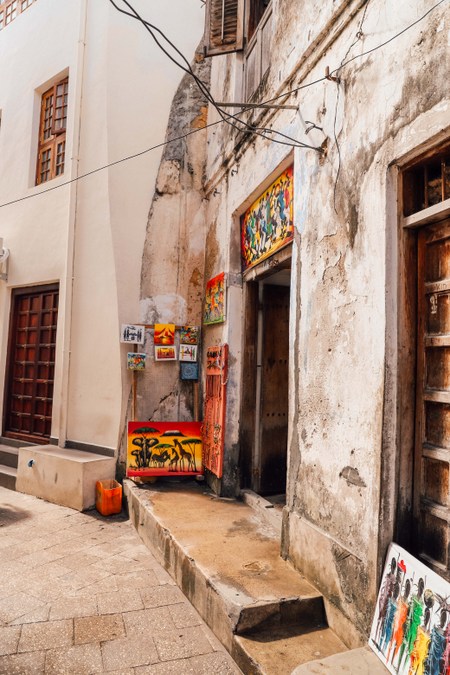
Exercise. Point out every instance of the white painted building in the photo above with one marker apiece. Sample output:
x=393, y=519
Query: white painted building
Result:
x=82, y=87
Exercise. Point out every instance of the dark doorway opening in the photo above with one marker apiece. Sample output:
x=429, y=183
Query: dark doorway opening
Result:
x=264, y=419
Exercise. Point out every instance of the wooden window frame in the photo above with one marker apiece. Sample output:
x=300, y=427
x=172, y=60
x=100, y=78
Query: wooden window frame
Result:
x=6, y=9
x=52, y=138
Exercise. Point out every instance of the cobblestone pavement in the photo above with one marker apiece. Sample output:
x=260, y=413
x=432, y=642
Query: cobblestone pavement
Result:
x=80, y=593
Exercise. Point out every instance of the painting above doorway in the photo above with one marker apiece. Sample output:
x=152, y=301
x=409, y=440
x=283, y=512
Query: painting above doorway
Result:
x=268, y=224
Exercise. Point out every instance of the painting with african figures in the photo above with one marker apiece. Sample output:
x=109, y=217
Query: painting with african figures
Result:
x=164, y=449
x=411, y=627
x=268, y=224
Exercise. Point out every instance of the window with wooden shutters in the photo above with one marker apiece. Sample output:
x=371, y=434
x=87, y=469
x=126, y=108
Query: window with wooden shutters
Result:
x=224, y=26
x=52, y=132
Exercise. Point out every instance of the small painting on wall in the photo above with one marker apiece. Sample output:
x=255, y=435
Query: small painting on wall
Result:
x=188, y=352
x=164, y=334
x=165, y=353
x=136, y=361
x=189, y=335
x=215, y=300
x=132, y=334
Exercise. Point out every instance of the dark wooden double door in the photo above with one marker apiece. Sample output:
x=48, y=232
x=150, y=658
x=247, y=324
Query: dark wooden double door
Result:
x=31, y=363
x=264, y=416
x=432, y=455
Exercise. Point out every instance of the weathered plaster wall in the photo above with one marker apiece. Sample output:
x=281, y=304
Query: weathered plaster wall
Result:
x=172, y=279
x=342, y=452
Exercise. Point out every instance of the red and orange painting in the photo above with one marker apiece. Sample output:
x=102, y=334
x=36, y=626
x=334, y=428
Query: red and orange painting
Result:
x=164, y=334
x=164, y=449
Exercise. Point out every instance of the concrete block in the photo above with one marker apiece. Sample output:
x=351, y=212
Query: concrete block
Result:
x=62, y=476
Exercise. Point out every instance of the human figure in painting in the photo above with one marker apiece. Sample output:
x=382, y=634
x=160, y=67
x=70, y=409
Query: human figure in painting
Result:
x=388, y=624
x=399, y=622
x=385, y=593
x=419, y=652
x=435, y=658
x=413, y=621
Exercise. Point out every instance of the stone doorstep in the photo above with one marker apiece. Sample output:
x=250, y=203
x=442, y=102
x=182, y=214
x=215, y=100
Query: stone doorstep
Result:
x=62, y=476
x=250, y=627
x=362, y=661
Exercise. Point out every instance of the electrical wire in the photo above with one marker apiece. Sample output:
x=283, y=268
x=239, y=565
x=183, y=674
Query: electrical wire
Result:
x=285, y=94
x=359, y=35
x=226, y=117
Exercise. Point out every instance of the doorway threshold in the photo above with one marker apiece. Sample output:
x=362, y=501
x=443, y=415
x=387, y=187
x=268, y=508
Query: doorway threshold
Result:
x=269, y=508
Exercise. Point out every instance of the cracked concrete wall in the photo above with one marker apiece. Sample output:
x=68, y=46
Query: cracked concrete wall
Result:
x=173, y=257
x=391, y=102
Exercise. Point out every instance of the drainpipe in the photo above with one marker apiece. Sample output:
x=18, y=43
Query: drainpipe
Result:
x=71, y=234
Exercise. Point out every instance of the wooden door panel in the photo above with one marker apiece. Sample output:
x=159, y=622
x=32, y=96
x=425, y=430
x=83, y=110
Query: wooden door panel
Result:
x=28, y=410
x=432, y=458
x=274, y=389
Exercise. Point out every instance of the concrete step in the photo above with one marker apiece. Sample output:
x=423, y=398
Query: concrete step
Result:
x=226, y=559
x=8, y=476
x=280, y=651
x=9, y=456
x=362, y=661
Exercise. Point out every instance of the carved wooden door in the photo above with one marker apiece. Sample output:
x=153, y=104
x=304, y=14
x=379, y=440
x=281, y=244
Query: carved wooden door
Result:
x=432, y=455
x=274, y=389
x=31, y=364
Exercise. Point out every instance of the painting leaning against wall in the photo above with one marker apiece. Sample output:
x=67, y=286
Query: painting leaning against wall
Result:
x=411, y=627
x=268, y=224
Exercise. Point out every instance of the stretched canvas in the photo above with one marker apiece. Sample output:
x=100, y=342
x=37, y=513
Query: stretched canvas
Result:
x=411, y=628
x=132, y=334
x=189, y=335
x=215, y=297
x=268, y=224
x=164, y=449
x=188, y=352
x=136, y=361
x=165, y=353
x=164, y=334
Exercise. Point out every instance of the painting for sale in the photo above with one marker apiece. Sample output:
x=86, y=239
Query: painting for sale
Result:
x=188, y=352
x=189, y=335
x=215, y=296
x=132, y=334
x=136, y=361
x=165, y=353
x=164, y=449
x=411, y=627
x=164, y=334
x=268, y=224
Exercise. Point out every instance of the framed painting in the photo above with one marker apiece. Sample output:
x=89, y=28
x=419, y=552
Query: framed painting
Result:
x=164, y=449
x=268, y=224
x=215, y=300
x=165, y=353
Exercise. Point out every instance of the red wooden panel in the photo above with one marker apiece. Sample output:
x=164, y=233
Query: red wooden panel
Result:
x=215, y=408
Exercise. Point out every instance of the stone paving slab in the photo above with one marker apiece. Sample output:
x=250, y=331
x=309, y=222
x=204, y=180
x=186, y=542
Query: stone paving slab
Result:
x=81, y=593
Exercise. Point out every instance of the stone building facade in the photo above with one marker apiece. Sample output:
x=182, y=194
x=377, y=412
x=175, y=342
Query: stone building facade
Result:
x=338, y=380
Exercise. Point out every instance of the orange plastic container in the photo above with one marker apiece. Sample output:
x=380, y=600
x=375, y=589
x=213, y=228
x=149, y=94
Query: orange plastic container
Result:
x=108, y=497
